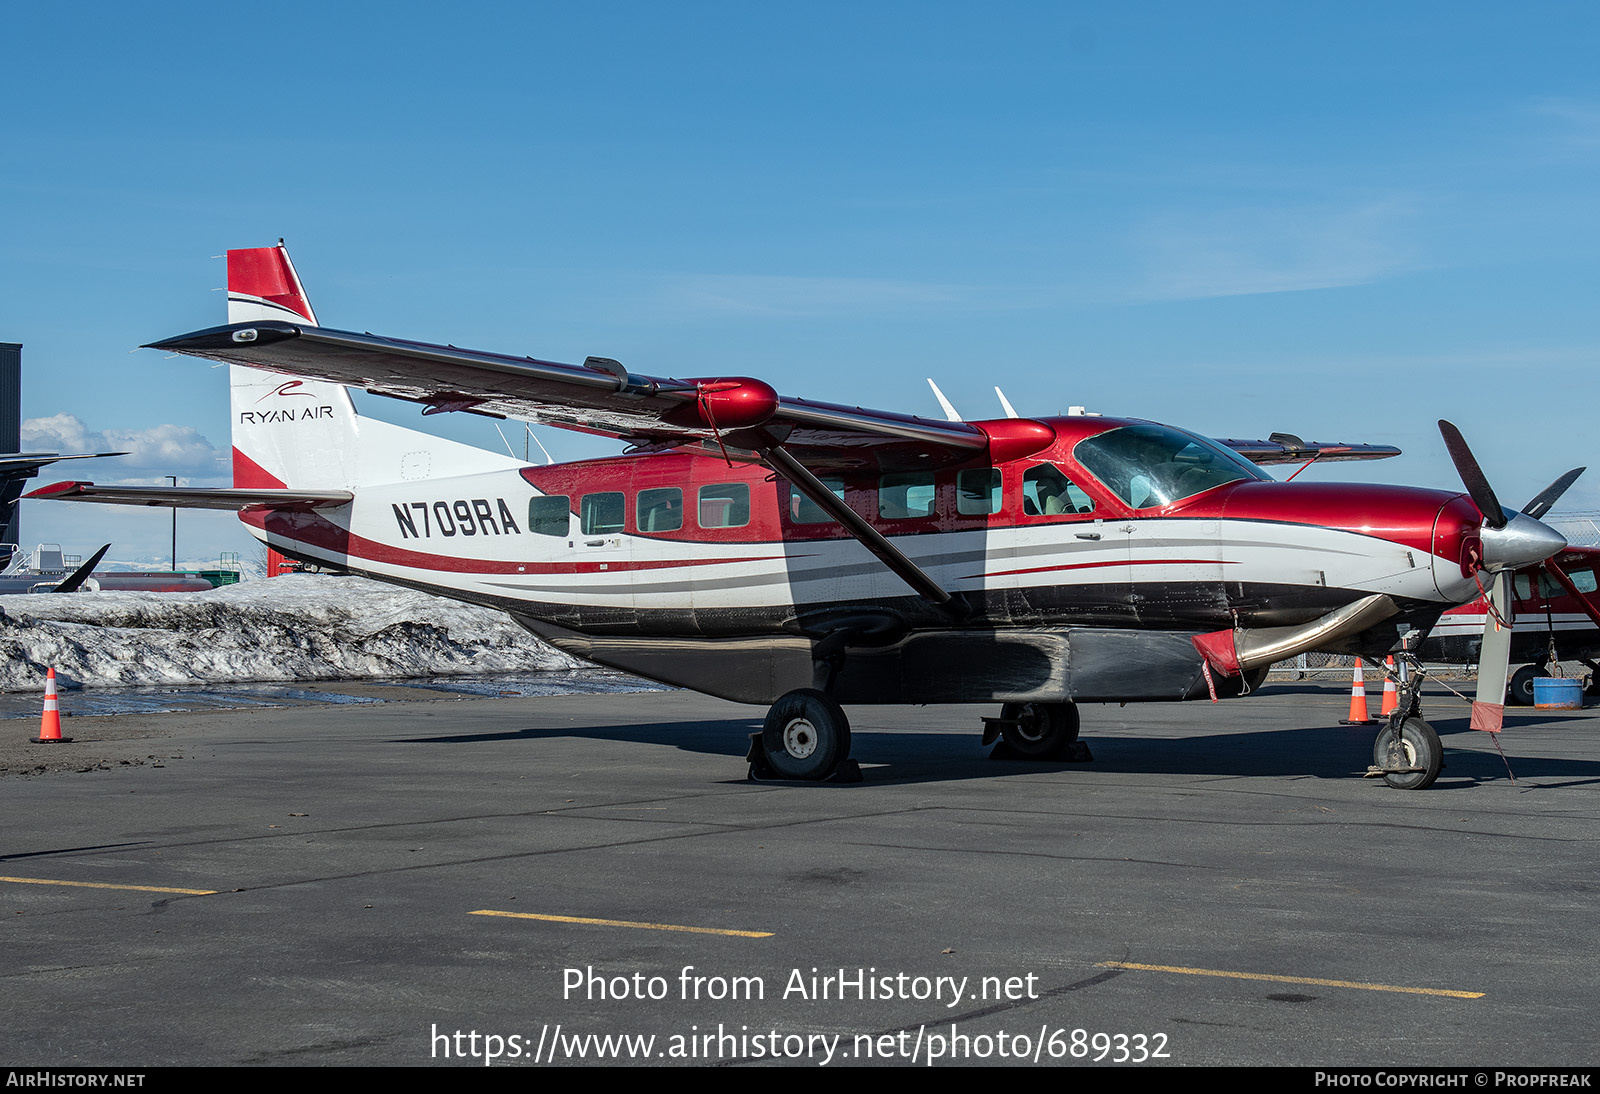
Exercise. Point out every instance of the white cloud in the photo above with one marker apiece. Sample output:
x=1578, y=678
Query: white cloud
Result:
x=1249, y=251
x=1577, y=122
x=160, y=450
x=777, y=295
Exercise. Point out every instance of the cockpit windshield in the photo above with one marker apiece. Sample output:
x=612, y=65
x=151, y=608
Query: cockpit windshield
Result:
x=1149, y=465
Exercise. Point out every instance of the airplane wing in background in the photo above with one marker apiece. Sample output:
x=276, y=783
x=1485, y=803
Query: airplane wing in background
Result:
x=1287, y=448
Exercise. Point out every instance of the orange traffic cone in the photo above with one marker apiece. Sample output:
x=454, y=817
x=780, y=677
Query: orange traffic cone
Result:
x=50, y=724
x=1359, y=715
x=1391, y=693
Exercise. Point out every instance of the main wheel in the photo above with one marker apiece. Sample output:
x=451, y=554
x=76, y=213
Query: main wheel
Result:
x=1520, y=691
x=1417, y=749
x=805, y=735
x=1039, y=731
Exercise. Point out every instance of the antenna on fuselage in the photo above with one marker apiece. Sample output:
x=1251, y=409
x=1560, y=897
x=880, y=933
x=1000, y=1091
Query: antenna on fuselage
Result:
x=1011, y=411
x=949, y=410
x=527, y=435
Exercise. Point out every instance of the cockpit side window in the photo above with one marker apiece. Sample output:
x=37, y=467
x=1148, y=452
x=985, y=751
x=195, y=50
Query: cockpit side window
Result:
x=1046, y=492
x=1149, y=466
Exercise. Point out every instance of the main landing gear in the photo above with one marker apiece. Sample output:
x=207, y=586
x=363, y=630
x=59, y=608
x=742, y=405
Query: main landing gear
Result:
x=1407, y=754
x=806, y=737
x=1037, y=731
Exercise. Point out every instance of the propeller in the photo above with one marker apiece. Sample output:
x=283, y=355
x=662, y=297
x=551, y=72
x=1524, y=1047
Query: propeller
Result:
x=81, y=574
x=1472, y=476
x=1547, y=497
x=1509, y=541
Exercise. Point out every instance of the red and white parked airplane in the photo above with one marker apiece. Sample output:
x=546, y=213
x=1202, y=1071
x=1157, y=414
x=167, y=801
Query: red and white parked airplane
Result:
x=770, y=549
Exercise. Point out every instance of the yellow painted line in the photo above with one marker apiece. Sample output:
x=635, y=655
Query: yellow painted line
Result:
x=106, y=885
x=1291, y=979
x=626, y=923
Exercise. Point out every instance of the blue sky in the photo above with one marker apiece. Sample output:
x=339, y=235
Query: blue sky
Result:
x=1344, y=221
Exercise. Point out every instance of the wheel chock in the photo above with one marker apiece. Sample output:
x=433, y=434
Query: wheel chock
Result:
x=1076, y=753
x=845, y=771
x=991, y=729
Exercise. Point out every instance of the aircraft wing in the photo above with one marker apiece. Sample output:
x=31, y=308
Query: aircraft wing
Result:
x=599, y=396
x=191, y=497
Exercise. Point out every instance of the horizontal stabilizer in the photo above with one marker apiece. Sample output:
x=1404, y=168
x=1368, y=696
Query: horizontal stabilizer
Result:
x=192, y=497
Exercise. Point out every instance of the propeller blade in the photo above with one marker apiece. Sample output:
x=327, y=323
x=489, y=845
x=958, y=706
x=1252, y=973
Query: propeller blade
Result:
x=1494, y=658
x=1472, y=477
x=1551, y=494
x=81, y=574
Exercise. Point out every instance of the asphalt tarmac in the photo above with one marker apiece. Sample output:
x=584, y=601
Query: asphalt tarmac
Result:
x=591, y=878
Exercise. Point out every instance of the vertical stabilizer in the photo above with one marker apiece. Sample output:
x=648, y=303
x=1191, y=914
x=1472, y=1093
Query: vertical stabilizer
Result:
x=286, y=432
x=305, y=434
x=263, y=284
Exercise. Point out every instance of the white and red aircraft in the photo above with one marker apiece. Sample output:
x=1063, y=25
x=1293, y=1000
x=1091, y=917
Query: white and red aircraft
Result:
x=776, y=550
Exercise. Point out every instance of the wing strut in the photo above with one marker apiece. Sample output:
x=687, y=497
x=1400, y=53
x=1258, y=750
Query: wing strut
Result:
x=864, y=533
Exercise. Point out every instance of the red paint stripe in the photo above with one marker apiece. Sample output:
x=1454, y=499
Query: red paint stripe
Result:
x=1118, y=562
x=250, y=475
x=314, y=531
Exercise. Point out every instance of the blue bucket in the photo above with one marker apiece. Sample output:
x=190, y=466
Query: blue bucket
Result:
x=1557, y=693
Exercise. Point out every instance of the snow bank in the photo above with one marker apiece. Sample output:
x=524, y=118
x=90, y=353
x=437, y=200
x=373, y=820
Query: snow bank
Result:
x=296, y=627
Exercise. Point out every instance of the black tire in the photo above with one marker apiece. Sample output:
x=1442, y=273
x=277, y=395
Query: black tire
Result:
x=805, y=735
x=1519, y=693
x=1419, y=749
x=1039, y=731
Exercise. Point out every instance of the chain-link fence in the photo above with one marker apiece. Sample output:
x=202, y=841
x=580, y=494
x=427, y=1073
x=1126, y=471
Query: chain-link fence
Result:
x=1327, y=666
x=1581, y=527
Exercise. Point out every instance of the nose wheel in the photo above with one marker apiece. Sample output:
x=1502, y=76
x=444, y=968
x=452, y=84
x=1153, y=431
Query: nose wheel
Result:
x=1408, y=756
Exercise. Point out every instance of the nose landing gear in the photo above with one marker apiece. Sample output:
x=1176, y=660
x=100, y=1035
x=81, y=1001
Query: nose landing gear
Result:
x=1407, y=754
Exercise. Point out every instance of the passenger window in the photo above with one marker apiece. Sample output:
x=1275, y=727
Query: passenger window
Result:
x=725, y=505
x=802, y=510
x=1047, y=492
x=550, y=515
x=660, y=510
x=978, y=491
x=1521, y=587
x=908, y=496
x=602, y=514
x=1550, y=588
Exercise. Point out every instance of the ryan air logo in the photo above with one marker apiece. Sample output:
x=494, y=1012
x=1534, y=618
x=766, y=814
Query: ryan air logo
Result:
x=287, y=389
x=450, y=518
x=297, y=413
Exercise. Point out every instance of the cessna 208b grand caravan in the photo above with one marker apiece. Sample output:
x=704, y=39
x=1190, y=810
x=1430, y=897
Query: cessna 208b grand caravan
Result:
x=775, y=550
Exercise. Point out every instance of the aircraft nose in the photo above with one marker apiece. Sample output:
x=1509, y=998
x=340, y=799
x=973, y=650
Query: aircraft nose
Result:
x=1521, y=542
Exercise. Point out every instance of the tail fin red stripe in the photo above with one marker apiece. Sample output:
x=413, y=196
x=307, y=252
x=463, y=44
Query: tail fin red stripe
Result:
x=266, y=273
